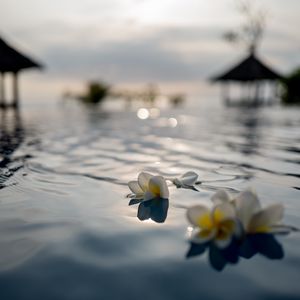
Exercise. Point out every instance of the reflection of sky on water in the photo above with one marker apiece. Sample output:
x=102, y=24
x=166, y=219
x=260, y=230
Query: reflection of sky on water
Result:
x=64, y=214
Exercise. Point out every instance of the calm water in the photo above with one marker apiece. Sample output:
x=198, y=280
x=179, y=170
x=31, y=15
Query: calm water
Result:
x=67, y=231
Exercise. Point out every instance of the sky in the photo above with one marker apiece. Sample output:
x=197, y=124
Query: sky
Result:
x=129, y=43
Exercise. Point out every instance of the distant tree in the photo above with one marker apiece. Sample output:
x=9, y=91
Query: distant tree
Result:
x=291, y=88
x=177, y=99
x=96, y=92
x=150, y=94
x=251, y=31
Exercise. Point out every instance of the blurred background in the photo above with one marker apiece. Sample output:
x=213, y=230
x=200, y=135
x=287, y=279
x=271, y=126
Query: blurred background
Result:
x=130, y=43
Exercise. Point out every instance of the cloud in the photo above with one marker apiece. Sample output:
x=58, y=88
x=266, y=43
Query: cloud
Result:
x=161, y=54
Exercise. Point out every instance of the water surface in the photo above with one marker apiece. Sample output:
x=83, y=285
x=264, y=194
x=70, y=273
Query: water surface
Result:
x=67, y=231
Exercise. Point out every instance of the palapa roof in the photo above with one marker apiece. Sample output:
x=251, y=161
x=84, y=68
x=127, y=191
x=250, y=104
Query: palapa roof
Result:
x=12, y=61
x=250, y=69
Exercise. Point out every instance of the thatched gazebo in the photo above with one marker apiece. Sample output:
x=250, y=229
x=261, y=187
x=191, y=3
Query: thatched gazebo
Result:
x=12, y=61
x=250, y=72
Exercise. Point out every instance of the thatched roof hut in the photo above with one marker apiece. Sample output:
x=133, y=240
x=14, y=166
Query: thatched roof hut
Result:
x=12, y=61
x=250, y=71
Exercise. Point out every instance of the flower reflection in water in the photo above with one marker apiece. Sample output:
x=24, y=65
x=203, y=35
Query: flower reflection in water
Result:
x=262, y=243
x=155, y=209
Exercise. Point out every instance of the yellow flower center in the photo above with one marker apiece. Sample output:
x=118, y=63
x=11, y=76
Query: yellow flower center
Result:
x=205, y=221
x=218, y=216
x=155, y=189
x=223, y=228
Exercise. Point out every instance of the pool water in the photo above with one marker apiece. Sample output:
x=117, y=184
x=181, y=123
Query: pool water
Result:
x=67, y=231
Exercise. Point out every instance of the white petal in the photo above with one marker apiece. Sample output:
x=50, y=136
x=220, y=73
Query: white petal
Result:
x=177, y=182
x=158, y=187
x=239, y=229
x=247, y=203
x=143, y=180
x=226, y=230
x=149, y=196
x=135, y=187
x=189, y=178
x=194, y=213
x=203, y=236
x=265, y=218
x=232, y=226
x=223, y=211
x=220, y=196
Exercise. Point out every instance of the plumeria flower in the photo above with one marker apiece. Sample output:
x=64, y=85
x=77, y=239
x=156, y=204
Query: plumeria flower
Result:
x=256, y=219
x=218, y=225
x=148, y=187
x=252, y=216
x=186, y=181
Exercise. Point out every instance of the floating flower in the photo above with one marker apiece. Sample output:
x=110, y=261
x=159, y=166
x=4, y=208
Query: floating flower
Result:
x=148, y=187
x=256, y=219
x=186, y=181
x=218, y=225
x=252, y=216
x=221, y=196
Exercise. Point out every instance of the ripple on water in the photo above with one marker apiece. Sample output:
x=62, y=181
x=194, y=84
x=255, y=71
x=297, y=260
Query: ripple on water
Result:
x=63, y=208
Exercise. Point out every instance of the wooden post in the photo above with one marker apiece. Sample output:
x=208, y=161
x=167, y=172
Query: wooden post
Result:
x=2, y=90
x=263, y=93
x=243, y=91
x=225, y=93
x=277, y=90
x=248, y=93
x=15, y=90
x=257, y=92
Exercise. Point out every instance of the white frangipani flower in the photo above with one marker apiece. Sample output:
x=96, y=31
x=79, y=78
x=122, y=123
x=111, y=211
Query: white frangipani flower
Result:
x=149, y=187
x=221, y=196
x=256, y=219
x=140, y=186
x=252, y=216
x=186, y=181
x=218, y=225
